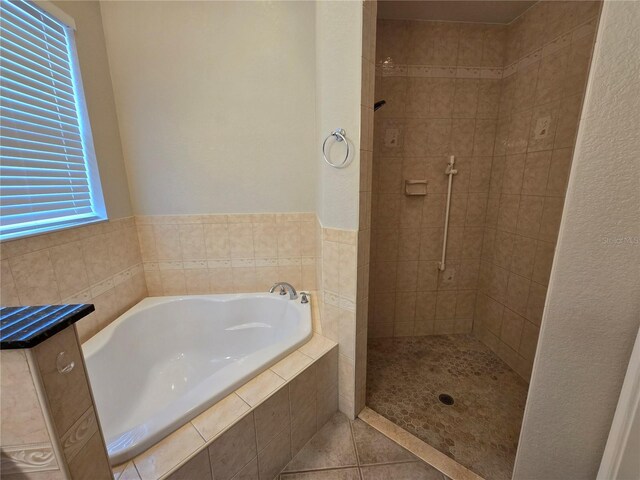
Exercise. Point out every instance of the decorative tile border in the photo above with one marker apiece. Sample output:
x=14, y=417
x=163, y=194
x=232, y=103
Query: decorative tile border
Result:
x=225, y=218
x=79, y=434
x=199, y=254
x=38, y=457
x=430, y=71
x=85, y=296
x=233, y=263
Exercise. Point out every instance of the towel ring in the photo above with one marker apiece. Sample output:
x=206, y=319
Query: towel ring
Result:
x=339, y=134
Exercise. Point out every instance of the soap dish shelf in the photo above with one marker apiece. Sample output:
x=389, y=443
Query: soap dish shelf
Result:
x=415, y=188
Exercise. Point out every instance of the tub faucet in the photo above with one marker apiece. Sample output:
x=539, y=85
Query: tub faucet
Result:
x=284, y=286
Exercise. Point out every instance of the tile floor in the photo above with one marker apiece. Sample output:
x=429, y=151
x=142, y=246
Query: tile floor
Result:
x=346, y=450
x=480, y=430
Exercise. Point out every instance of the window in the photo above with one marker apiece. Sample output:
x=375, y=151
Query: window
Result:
x=48, y=173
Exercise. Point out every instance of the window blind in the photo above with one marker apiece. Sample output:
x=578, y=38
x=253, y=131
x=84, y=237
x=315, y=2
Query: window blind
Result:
x=48, y=178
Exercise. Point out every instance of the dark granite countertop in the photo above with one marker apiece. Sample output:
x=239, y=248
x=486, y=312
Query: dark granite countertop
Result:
x=26, y=327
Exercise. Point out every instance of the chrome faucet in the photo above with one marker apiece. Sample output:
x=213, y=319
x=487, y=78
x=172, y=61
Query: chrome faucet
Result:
x=284, y=286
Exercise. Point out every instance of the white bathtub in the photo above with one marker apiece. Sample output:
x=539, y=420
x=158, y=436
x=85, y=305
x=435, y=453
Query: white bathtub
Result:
x=170, y=358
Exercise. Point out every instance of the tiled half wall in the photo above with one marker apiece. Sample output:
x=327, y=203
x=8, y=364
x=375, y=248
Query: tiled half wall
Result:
x=99, y=264
x=200, y=254
x=49, y=426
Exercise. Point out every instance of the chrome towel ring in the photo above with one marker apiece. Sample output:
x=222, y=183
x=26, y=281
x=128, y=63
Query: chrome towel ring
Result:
x=339, y=135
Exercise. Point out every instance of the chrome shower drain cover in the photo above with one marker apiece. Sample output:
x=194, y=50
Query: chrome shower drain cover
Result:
x=446, y=399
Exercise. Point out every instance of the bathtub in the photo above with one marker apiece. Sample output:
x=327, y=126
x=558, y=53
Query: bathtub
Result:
x=168, y=359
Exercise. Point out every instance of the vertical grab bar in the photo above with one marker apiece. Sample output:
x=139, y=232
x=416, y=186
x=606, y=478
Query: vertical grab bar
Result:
x=450, y=171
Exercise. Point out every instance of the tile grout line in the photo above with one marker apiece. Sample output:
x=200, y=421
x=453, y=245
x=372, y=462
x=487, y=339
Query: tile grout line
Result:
x=355, y=447
x=456, y=470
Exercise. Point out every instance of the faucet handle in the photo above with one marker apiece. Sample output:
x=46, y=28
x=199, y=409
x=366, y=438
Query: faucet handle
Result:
x=283, y=291
x=305, y=297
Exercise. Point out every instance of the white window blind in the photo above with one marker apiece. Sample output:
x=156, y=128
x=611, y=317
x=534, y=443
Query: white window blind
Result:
x=48, y=174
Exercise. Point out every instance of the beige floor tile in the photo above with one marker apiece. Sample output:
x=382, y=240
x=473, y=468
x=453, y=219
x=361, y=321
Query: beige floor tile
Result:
x=413, y=471
x=342, y=474
x=249, y=471
x=331, y=447
x=374, y=448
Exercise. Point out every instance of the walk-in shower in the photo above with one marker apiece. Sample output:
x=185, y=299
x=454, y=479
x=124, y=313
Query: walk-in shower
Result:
x=461, y=250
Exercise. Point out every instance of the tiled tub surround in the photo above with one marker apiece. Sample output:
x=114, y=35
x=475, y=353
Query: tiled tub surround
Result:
x=49, y=426
x=199, y=254
x=480, y=92
x=255, y=431
x=341, y=321
x=198, y=349
x=98, y=264
x=548, y=53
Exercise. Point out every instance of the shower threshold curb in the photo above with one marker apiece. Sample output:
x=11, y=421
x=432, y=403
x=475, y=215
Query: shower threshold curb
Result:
x=419, y=448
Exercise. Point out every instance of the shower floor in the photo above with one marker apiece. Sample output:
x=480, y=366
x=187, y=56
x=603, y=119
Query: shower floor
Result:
x=405, y=377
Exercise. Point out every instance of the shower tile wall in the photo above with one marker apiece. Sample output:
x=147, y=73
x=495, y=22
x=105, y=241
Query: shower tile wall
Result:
x=548, y=52
x=97, y=264
x=441, y=82
x=505, y=100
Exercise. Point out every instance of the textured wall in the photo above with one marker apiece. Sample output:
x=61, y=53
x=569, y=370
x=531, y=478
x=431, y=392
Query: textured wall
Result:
x=593, y=307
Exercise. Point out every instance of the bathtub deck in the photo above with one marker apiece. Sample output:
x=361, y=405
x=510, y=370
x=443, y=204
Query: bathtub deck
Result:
x=182, y=448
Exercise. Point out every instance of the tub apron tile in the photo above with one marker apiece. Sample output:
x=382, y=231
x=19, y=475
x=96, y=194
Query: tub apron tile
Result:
x=224, y=413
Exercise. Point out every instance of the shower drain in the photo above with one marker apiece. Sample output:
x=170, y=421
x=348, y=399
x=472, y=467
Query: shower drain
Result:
x=445, y=398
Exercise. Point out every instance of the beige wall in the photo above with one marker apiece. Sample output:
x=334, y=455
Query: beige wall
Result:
x=98, y=92
x=592, y=311
x=338, y=50
x=435, y=115
x=216, y=104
